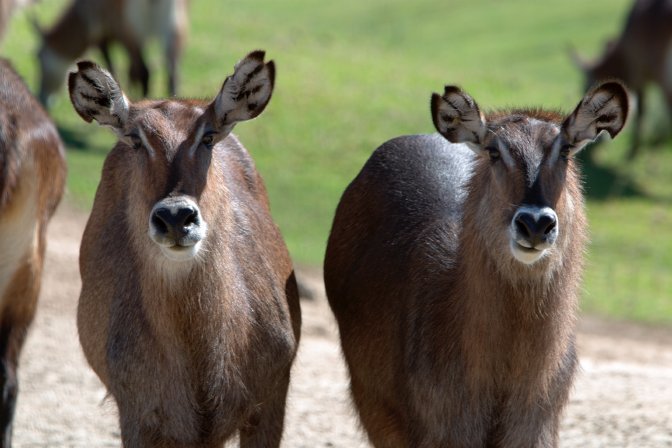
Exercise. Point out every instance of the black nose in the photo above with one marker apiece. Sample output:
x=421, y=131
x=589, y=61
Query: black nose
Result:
x=535, y=228
x=176, y=222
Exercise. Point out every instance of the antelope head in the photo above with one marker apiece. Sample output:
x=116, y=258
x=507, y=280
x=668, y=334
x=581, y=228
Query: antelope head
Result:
x=526, y=186
x=168, y=161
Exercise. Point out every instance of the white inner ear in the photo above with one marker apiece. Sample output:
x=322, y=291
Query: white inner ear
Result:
x=461, y=119
x=226, y=100
x=579, y=145
x=88, y=97
x=583, y=126
x=448, y=116
x=230, y=106
x=120, y=108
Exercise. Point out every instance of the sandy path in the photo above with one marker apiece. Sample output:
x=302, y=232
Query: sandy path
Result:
x=622, y=397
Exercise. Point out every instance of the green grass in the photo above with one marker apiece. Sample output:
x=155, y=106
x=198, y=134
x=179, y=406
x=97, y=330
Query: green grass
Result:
x=628, y=272
x=352, y=74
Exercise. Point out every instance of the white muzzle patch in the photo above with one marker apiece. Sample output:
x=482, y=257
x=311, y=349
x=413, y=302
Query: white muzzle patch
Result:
x=533, y=231
x=176, y=225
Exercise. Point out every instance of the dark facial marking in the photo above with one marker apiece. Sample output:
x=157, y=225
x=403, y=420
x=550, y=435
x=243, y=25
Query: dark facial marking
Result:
x=103, y=101
x=92, y=82
x=529, y=141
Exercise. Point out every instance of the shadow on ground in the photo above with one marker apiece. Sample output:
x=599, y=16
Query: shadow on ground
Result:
x=76, y=140
x=603, y=182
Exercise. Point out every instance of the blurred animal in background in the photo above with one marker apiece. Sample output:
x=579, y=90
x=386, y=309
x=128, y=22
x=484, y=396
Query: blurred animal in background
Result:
x=100, y=23
x=642, y=54
x=189, y=310
x=453, y=269
x=7, y=8
x=32, y=179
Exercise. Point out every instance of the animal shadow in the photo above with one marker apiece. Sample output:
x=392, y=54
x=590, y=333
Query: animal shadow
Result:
x=603, y=182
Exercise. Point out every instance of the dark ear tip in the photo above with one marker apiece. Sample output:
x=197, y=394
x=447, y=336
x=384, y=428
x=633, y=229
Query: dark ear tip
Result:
x=85, y=65
x=450, y=90
x=611, y=84
x=257, y=55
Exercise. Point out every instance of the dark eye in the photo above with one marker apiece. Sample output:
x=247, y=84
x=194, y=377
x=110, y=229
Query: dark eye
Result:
x=136, y=141
x=208, y=139
x=493, y=153
x=565, y=150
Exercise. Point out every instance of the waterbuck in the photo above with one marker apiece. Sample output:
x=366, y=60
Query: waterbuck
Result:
x=98, y=23
x=453, y=269
x=32, y=180
x=189, y=309
x=640, y=56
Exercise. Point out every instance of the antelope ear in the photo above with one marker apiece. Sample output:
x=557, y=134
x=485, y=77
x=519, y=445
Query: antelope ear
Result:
x=457, y=117
x=603, y=108
x=95, y=95
x=246, y=92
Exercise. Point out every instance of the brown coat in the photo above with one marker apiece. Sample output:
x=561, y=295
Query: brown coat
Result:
x=453, y=270
x=195, y=347
x=32, y=180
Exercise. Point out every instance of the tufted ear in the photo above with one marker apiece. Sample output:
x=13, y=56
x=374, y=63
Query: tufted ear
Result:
x=245, y=93
x=603, y=108
x=95, y=95
x=457, y=117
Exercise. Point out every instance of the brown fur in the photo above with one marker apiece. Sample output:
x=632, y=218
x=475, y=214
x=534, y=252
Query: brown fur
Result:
x=639, y=56
x=450, y=341
x=32, y=179
x=192, y=351
x=98, y=23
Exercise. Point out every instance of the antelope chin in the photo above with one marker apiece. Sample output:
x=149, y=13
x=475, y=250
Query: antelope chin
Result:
x=526, y=255
x=181, y=253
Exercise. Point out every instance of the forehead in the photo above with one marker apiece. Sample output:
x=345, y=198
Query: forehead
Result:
x=523, y=135
x=168, y=120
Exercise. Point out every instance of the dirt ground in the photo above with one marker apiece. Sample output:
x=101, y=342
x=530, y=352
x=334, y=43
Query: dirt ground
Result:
x=622, y=396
